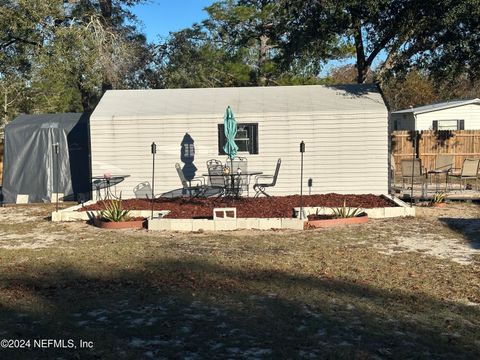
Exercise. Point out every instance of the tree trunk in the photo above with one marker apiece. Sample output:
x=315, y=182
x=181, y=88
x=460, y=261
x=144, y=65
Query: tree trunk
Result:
x=106, y=9
x=262, y=59
x=362, y=66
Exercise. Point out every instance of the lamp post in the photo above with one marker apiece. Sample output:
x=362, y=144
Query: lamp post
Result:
x=302, y=150
x=153, y=151
x=56, y=150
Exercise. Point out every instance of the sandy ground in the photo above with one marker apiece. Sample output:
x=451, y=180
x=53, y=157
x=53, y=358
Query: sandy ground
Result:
x=451, y=233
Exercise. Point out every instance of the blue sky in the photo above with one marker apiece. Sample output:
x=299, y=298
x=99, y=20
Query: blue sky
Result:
x=160, y=17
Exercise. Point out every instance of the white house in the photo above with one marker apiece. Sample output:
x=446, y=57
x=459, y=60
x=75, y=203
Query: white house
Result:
x=345, y=129
x=452, y=115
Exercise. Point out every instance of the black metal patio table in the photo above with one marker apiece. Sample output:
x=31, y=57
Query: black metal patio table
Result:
x=106, y=182
x=233, y=188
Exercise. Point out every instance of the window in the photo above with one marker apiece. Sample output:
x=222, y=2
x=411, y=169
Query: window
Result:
x=246, y=138
x=448, y=124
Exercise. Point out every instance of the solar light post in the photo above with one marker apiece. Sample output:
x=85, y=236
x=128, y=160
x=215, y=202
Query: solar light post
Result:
x=56, y=150
x=302, y=150
x=153, y=151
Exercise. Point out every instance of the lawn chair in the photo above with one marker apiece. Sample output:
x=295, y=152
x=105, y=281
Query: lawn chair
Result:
x=262, y=181
x=393, y=170
x=413, y=169
x=444, y=162
x=443, y=165
x=469, y=171
x=195, y=187
x=143, y=190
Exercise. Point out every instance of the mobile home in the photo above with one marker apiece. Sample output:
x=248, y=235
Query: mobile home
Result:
x=345, y=129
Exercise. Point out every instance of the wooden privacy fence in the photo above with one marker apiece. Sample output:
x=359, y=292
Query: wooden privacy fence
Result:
x=461, y=143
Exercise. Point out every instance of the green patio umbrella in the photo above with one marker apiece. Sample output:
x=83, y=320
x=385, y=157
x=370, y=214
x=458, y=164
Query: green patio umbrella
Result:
x=230, y=130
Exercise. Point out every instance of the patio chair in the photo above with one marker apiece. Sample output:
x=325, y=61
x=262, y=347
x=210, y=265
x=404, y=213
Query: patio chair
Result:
x=216, y=176
x=444, y=162
x=239, y=165
x=443, y=165
x=143, y=190
x=469, y=171
x=412, y=170
x=262, y=181
x=195, y=187
x=393, y=170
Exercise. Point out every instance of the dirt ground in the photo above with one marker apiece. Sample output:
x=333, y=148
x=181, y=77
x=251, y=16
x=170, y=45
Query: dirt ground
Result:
x=393, y=288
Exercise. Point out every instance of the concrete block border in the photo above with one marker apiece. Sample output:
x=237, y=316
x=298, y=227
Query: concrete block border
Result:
x=71, y=214
x=224, y=225
x=401, y=210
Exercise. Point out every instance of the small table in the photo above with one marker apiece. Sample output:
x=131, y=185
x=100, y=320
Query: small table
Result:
x=233, y=190
x=106, y=183
x=436, y=174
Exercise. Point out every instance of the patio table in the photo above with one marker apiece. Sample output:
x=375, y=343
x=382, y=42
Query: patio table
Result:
x=106, y=183
x=231, y=189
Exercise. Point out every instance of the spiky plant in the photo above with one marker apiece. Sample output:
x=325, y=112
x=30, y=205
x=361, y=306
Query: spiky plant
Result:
x=114, y=212
x=439, y=198
x=344, y=212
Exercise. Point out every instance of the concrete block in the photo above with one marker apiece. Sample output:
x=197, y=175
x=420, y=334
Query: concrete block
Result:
x=21, y=199
x=181, y=224
x=56, y=216
x=159, y=224
x=225, y=225
x=247, y=223
x=270, y=223
x=203, y=224
x=375, y=213
x=224, y=213
x=54, y=197
x=294, y=224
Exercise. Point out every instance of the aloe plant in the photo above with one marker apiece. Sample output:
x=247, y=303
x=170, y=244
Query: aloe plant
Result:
x=114, y=212
x=344, y=212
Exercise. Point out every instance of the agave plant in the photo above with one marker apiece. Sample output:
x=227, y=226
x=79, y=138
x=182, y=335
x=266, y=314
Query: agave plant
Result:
x=114, y=212
x=345, y=212
x=439, y=197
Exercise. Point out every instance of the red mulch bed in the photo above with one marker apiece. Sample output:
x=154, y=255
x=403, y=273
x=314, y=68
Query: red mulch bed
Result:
x=273, y=207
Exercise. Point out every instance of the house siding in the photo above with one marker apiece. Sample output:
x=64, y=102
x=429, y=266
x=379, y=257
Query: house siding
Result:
x=346, y=152
x=469, y=113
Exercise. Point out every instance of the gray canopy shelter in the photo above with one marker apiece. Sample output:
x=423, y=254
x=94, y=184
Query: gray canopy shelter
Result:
x=31, y=164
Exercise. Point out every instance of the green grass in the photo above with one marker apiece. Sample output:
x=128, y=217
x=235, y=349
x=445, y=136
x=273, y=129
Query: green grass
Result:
x=313, y=294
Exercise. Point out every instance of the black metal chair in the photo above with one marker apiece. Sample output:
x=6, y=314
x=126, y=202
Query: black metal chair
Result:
x=216, y=177
x=262, y=181
x=239, y=166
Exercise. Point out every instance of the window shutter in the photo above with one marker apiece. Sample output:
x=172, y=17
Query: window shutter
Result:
x=221, y=139
x=435, y=125
x=254, y=149
x=461, y=124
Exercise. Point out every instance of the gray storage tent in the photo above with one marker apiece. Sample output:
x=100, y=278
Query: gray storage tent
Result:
x=30, y=163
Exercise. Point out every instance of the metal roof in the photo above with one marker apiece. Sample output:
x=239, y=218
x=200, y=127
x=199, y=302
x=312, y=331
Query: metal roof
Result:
x=206, y=102
x=439, y=106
